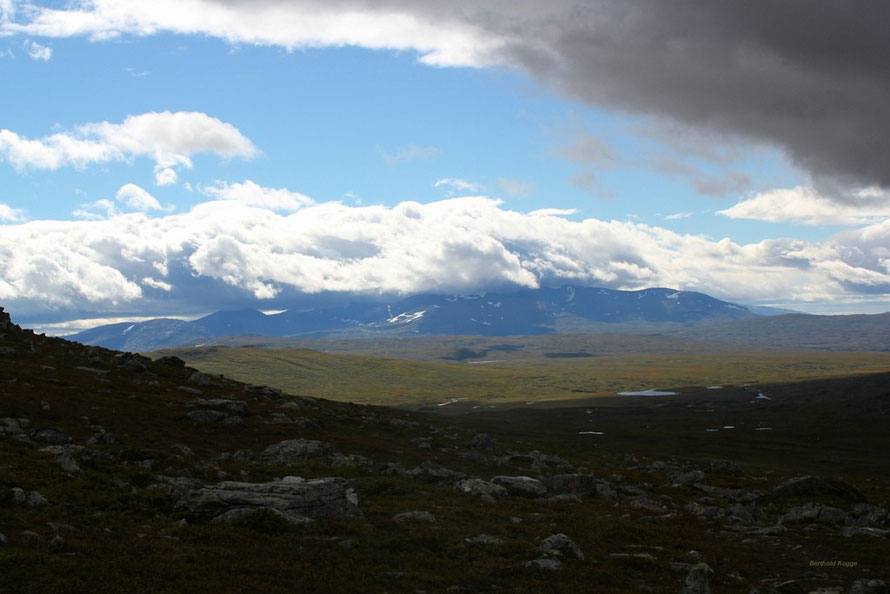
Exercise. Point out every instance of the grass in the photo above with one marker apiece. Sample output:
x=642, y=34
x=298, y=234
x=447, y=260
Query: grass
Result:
x=403, y=382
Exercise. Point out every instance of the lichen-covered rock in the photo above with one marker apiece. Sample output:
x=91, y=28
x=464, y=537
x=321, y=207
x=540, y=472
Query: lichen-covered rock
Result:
x=434, y=473
x=294, y=450
x=19, y=496
x=480, y=488
x=560, y=545
x=698, y=580
x=815, y=512
x=571, y=484
x=869, y=587
x=50, y=435
x=690, y=477
x=811, y=486
x=316, y=498
x=202, y=379
x=521, y=486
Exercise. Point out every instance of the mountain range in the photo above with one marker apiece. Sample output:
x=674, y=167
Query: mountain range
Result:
x=525, y=312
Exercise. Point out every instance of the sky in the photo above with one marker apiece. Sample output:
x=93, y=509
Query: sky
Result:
x=180, y=157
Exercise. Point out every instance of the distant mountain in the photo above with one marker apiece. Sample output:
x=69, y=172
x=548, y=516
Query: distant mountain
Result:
x=858, y=332
x=524, y=312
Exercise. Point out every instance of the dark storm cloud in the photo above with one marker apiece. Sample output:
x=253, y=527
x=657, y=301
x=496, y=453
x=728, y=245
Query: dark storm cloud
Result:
x=810, y=76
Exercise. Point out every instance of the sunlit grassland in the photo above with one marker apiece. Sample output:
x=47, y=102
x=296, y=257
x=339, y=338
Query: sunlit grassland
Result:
x=401, y=382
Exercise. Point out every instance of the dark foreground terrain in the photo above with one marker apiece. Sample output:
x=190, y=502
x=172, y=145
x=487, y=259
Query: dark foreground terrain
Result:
x=123, y=474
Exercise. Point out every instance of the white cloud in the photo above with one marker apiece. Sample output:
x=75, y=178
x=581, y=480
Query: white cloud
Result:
x=255, y=195
x=37, y=51
x=235, y=250
x=137, y=198
x=804, y=205
x=441, y=41
x=458, y=184
x=553, y=212
x=516, y=188
x=10, y=215
x=678, y=215
x=170, y=139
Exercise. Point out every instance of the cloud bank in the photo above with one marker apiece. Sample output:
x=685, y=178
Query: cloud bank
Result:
x=808, y=76
x=263, y=247
x=169, y=139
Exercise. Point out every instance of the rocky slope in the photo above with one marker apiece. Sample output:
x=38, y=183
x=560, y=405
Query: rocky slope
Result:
x=125, y=474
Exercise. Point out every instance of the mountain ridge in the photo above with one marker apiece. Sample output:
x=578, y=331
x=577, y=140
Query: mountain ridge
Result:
x=524, y=312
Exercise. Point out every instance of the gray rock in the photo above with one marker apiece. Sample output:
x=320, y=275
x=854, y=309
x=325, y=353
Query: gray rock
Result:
x=815, y=512
x=548, y=564
x=698, y=580
x=19, y=496
x=207, y=416
x=571, y=484
x=863, y=514
x=869, y=587
x=3, y=539
x=234, y=407
x=424, y=443
x=849, y=531
x=648, y=557
x=485, y=539
x=480, y=488
x=50, y=435
x=171, y=361
x=725, y=466
x=433, y=473
x=521, y=486
x=13, y=427
x=243, y=513
x=560, y=545
x=740, y=514
x=317, y=498
x=294, y=450
x=483, y=442
x=415, y=516
x=202, y=379
x=811, y=486
x=690, y=477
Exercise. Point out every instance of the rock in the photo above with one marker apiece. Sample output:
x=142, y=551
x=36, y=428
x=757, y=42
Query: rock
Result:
x=317, y=498
x=811, y=486
x=521, y=486
x=485, y=539
x=560, y=545
x=7, y=351
x=424, y=443
x=725, y=466
x=647, y=557
x=3, y=539
x=234, y=407
x=548, y=564
x=740, y=514
x=240, y=514
x=815, y=512
x=13, y=427
x=863, y=514
x=182, y=450
x=414, y=516
x=131, y=362
x=19, y=496
x=202, y=379
x=690, y=477
x=483, y=442
x=571, y=484
x=188, y=390
x=864, y=531
x=480, y=488
x=869, y=587
x=57, y=543
x=433, y=473
x=698, y=580
x=294, y=450
x=50, y=435
x=171, y=361
x=207, y=416
x=93, y=370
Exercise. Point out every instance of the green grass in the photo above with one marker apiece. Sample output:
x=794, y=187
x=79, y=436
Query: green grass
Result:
x=403, y=382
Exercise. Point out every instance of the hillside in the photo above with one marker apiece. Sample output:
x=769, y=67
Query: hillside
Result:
x=125, y=474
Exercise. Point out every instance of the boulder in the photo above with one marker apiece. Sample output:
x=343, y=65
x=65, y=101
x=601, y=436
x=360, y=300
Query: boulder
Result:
x=698, y=580
x=815, y=512
x=415, y=516
x=849, y=531
x=521, y=486
x=50, y=435
x=811, y=486
x=483, y=442
x=19, y=496
x=240, y=514
x=869, y=587
x=548, y=564
x=171, y=361
x=316, y=498
x=294, y=450
x=863, y=514
x=480, y=488
x=485, y=539
x=571, y=484
x=689, y=477
x=202, y=379
x=560, y=545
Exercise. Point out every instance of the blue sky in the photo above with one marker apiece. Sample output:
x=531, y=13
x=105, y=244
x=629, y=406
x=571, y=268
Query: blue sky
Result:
x=147, y=154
